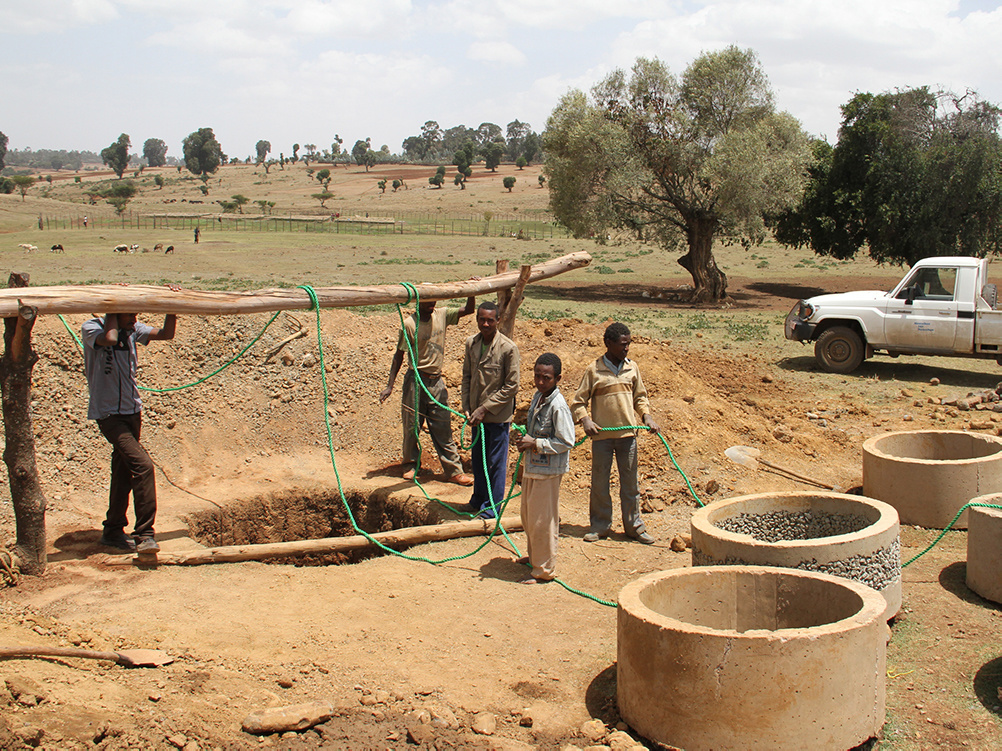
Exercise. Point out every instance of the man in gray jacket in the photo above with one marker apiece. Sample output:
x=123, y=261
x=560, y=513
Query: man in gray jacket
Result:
x=490, y=382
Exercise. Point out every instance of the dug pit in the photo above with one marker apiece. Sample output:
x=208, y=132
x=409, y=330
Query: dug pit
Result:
x=310, y=514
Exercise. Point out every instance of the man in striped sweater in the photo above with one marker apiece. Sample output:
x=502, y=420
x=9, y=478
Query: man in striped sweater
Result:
x=615, y=393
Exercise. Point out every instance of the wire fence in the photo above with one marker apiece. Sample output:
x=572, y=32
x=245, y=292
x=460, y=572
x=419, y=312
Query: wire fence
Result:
x=530, y=225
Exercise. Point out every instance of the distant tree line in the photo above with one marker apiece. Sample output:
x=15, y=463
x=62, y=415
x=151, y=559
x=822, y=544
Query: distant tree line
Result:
x=46, y=159
x=490, y=143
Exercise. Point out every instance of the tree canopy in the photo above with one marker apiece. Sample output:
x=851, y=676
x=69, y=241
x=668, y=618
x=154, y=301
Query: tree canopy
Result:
x=23, y=183
x=3, y=148
x=119, y=194
x=155, y=151
x=202, y=153
x=263, y=148
x=679, y=161
x=915, y=173
x=116, y=156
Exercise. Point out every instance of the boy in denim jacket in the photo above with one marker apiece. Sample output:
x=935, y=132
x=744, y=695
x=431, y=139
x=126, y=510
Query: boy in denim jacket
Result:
x=547, y=442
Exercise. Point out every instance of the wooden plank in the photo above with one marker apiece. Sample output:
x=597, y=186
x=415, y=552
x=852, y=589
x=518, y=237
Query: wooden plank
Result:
x=151, y=299
x=396, y=538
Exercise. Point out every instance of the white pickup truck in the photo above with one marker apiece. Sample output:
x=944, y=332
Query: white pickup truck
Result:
x=943, y=306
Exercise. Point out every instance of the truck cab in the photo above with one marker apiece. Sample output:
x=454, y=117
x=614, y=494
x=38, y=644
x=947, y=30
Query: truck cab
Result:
x=942, y=306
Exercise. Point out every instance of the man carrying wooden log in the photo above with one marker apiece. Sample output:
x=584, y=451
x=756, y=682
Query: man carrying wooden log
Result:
x=430, y=349
x=490, y=382
x=110, y=363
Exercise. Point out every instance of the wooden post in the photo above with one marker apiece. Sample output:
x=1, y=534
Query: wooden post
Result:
x=506, y=325
x=501, y=267
x=16, y=366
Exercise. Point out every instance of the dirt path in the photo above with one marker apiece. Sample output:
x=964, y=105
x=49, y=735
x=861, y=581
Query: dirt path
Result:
x=385, y=639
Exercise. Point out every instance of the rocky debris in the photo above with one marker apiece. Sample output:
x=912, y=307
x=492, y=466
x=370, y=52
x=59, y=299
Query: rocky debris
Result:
x=282, y=719
x=30, y=735
x=620, y=740
x=677, y=544
x=594, y=730
x=484, y=723
x=712, y=486
x=419, y=734
x=774, y=526
x=443, y=717
x=934, y=381
x=782, y=434
x=25, y=691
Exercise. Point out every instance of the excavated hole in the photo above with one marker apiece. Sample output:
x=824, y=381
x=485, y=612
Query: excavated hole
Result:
x=301, y=515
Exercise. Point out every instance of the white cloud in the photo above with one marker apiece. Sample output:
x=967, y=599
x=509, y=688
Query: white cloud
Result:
x=496, y=52
x=48, y=16
x=383, y=67
x=346, y=17
x=818, y=54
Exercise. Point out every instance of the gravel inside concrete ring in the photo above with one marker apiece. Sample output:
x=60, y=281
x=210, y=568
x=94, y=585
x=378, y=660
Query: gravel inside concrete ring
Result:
x=774, y=526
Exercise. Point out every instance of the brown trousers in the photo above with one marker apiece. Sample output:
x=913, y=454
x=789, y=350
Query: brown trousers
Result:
x=131, y=471
x=541, y=521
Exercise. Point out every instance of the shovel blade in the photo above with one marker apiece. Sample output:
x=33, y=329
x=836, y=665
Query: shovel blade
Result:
x=744, y=455
x=143, y=658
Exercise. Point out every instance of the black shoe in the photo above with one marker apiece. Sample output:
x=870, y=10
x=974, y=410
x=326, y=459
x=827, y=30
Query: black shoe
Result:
x=147, y=545
x=118, y=539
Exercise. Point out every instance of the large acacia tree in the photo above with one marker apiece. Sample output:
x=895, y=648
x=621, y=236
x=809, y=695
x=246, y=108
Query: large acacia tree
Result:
x=915, y=173
x=116, y=156
x=202, y=153
x=679, y=161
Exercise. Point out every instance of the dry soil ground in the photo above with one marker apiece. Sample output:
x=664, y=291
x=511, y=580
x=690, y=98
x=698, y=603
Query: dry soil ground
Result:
x=386, y=639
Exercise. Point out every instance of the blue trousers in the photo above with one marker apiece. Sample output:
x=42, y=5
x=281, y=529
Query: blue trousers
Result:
x=493, y=442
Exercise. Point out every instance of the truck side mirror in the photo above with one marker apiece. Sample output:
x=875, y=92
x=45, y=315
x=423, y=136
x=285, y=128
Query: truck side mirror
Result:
x=911, y=292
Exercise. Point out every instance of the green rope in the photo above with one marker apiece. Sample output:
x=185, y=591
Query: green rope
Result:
x=947, y=529
x=330, y=446
x=497, y=508
x=218, y=370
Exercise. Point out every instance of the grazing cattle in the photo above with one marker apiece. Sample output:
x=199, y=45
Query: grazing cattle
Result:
x=121, y=248
x=56, y=249
x=158, y=247
x=28, y=247
x=170, y=249
x=133, y=248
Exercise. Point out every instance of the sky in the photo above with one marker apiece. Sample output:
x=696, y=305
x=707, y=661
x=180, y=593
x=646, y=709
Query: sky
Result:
x=74, y=74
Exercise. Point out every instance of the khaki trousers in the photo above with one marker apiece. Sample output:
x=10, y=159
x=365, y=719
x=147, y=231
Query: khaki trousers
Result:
x=541, y=521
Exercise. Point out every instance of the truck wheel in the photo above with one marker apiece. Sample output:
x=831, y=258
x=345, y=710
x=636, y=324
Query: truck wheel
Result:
x=839, y=350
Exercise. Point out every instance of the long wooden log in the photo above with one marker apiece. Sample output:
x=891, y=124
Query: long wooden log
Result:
x=396, y=538
x=141, y=298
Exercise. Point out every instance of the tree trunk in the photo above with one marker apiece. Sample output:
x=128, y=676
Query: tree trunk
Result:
x=709, y=282
x=16, y=366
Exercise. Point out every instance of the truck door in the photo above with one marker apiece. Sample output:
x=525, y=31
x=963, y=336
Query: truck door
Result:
x=923, y=315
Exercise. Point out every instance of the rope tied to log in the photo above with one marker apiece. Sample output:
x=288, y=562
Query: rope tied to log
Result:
x=201, y=380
